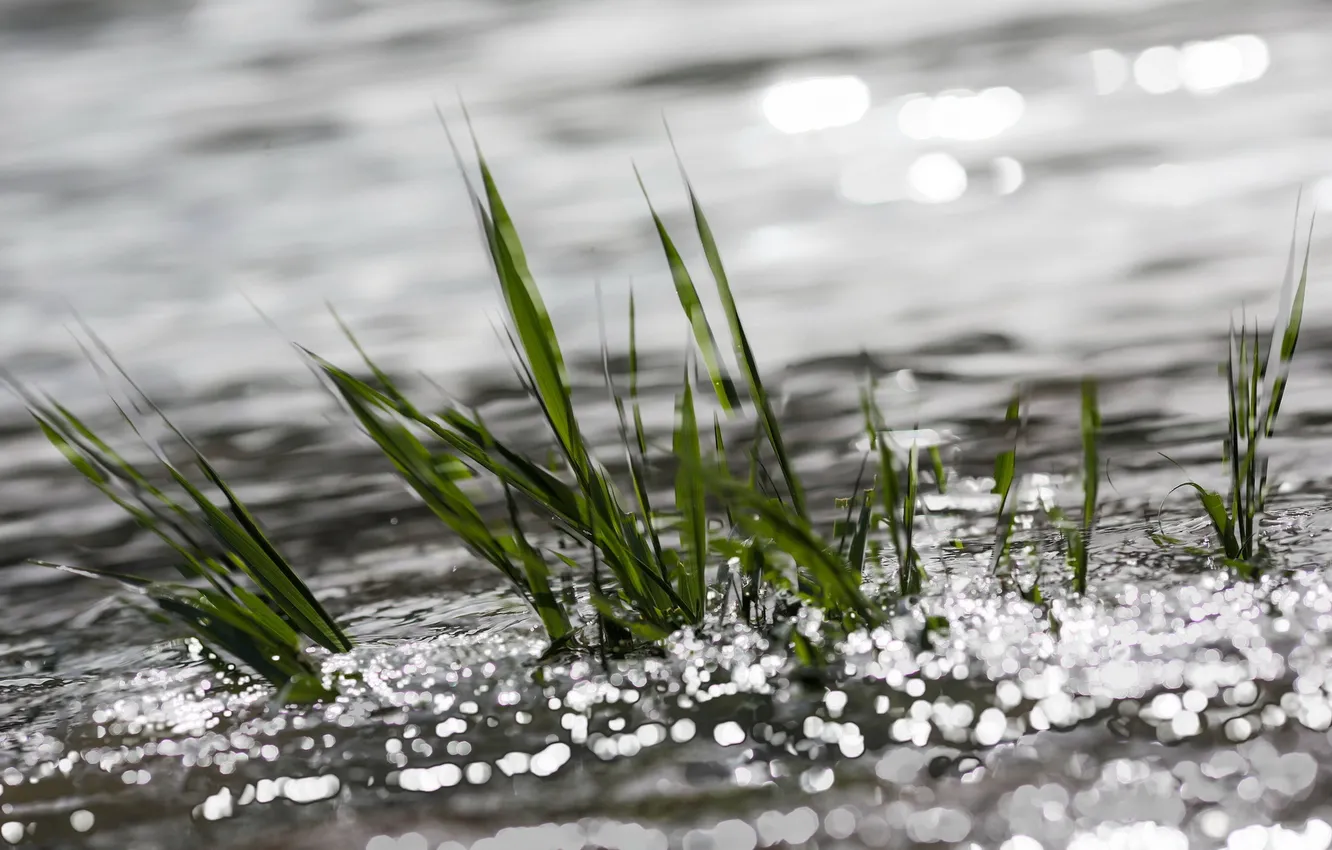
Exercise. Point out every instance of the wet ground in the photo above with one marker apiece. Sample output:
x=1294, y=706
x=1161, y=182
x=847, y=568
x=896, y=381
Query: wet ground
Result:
x=977, y=193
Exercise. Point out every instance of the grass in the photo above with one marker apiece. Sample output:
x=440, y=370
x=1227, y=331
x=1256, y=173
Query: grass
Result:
x=1255, y=385
x=689, y=536
x=243, y=600
x=898, y=492
x=659, y=557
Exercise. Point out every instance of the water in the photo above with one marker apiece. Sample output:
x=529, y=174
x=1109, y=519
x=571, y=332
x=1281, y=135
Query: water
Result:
x=165, y=160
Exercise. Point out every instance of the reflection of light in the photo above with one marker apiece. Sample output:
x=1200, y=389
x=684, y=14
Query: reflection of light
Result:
x=1254, y=56
x=1202, y=67
x=1322, y=194
x=1008, y=175
x=817, y=103
x=1210, y=66
x=871, y=181
x=937, y=178
x=961, y=114
x=1157, y=70
x=951, y=114
x=1110, y=69
x=914, y=118
x=1000, y=108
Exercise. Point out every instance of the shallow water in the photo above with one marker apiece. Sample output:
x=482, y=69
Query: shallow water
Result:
x=167, y=159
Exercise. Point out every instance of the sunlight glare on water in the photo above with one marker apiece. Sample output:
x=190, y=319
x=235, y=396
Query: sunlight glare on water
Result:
x=816, y=103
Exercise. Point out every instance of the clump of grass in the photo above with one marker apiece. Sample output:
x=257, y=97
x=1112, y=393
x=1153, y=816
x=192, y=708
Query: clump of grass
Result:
x=1255, y=386
x=658, y=557
x=241, y=598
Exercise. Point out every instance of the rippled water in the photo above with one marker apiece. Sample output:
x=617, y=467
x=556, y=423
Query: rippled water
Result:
x=976, y=192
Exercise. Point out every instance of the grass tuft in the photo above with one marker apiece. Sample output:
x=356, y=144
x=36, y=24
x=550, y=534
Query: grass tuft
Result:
x=242, y=598
x=660, y=557
x=1255, y=386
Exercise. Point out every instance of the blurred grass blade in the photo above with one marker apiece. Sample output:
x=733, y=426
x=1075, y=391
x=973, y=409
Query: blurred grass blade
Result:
x=1005, y=466
x=912, y=577
x=940, y=474
x=899, y=507
x=1091, y=480
x=554, y=617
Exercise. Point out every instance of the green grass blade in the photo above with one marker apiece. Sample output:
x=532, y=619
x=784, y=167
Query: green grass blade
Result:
x=899, y=507
x=1290, y=335
x=528, y=316
x=940, y=474
x=856, y=555
x=744, y=353
x=1091, y=480
x=244, y=628
x=690, y=500
x=277, y=576
x=635, y=451
x=847, y=530
x=693, y=309
x=123, y=484
x=281, y=585
x=1005, y=467
x=911, y=578
x=239, y=534
x=1233, y=450
x=639, y=432
x=552, y=614
x=1214, y=504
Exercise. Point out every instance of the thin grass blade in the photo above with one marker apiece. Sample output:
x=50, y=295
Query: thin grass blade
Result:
x=743, y=352
x=693, y=309
x=690, y=500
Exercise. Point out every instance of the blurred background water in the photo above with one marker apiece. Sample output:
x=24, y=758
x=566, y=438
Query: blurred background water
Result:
x=1072, y=176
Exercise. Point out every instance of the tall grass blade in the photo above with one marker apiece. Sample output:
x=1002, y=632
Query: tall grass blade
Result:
x=744, y=353
x=529, y=317
x=1289, y=326
x=693, y=309
x=1091, y=481
x=912, y=576
x=635, y=450
x=690, y=501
